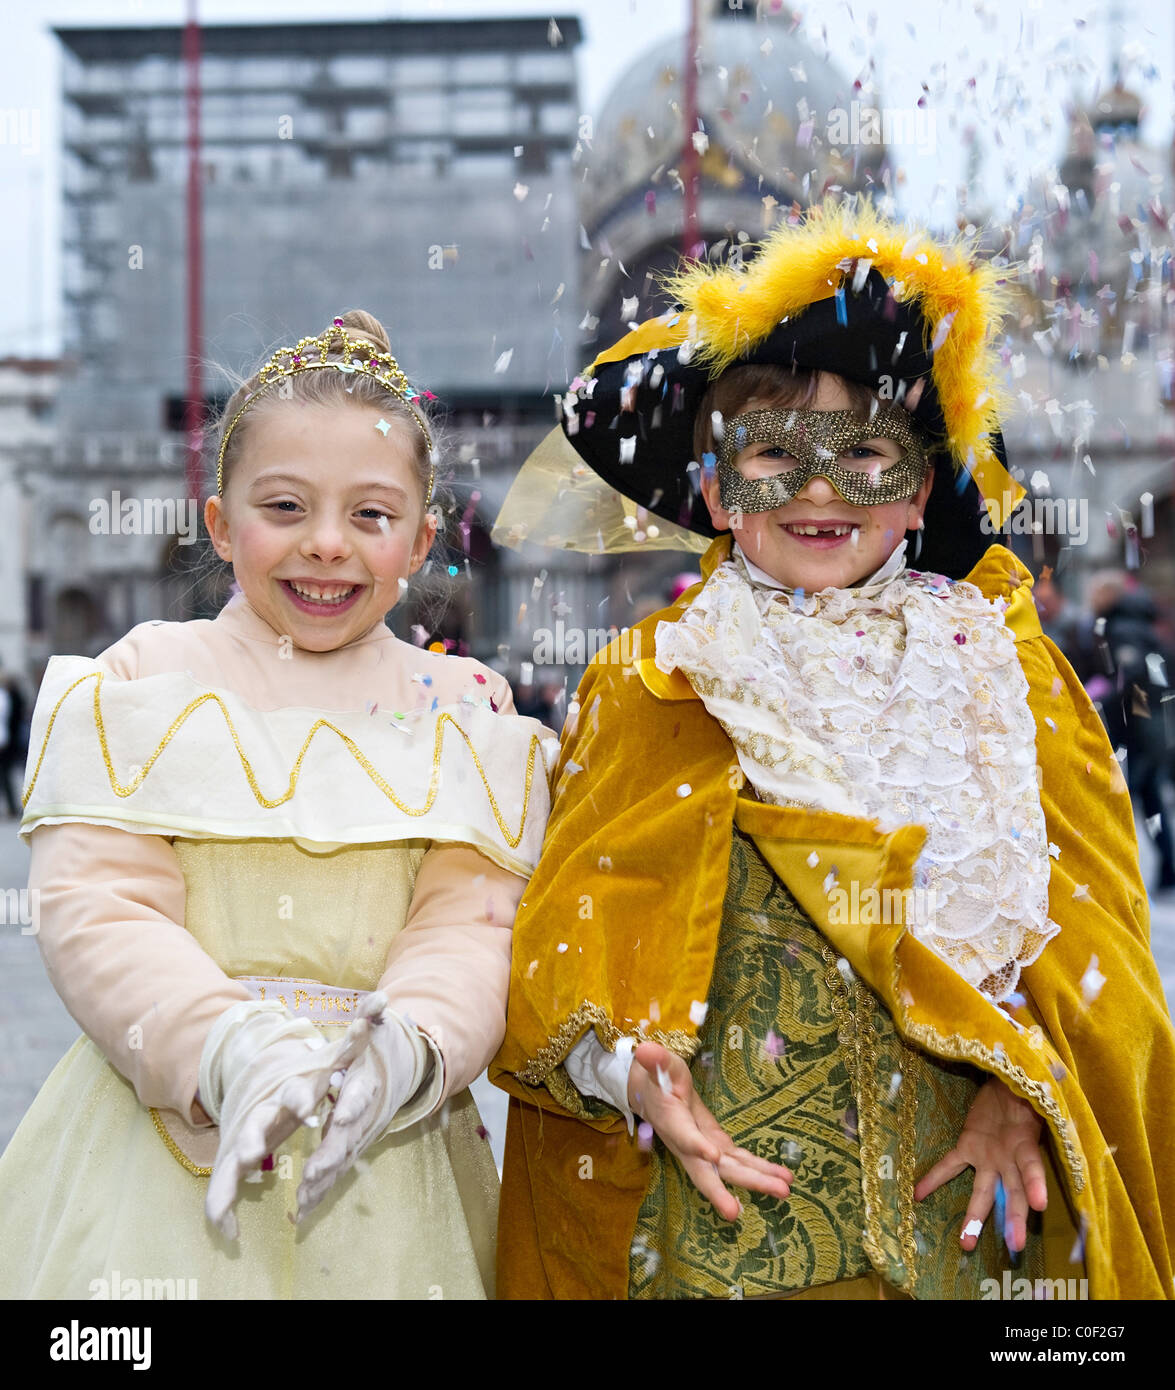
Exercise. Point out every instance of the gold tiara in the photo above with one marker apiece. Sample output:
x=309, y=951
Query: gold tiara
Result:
x=310, y=354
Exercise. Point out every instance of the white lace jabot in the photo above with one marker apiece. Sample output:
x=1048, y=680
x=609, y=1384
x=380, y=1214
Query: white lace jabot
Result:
x=901, y=701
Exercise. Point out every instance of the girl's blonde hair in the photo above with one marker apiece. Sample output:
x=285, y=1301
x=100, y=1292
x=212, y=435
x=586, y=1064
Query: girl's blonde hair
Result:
x=334, y=388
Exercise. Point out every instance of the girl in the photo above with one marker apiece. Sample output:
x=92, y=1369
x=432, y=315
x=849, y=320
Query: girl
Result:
x=850, y=866
x=277, y=857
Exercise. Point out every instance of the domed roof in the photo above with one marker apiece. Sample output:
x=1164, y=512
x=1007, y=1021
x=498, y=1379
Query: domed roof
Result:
x=763, y=96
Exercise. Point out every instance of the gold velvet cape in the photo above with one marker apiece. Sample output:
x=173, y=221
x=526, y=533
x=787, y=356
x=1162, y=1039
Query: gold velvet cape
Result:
x=618, y=927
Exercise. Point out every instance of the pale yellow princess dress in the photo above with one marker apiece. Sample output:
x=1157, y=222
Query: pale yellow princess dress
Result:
x=197, y=839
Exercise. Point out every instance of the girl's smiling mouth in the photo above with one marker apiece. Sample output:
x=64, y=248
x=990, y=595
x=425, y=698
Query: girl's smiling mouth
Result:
x=319, y=597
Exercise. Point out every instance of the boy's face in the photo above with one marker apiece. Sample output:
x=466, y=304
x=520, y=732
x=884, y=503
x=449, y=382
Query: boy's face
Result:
x=854, y=541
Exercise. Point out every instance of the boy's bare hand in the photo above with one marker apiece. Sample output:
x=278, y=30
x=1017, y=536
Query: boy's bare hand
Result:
x=1001, y=1141
x=661, y=1089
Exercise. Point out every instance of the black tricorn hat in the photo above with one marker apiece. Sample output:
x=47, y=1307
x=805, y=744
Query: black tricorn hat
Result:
x=844, y=291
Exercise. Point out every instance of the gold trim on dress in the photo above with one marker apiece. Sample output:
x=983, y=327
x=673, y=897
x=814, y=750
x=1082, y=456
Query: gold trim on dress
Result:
x=174, y=1149
x=444, y=719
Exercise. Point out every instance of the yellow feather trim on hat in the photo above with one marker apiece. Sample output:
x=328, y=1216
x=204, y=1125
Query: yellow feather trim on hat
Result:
x=731, y=311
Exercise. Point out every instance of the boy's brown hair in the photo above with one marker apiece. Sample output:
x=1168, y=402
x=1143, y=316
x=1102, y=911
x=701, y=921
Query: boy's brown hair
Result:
x=769, y=386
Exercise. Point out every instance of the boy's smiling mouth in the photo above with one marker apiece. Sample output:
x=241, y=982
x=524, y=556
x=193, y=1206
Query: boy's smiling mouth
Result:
x=821, y=535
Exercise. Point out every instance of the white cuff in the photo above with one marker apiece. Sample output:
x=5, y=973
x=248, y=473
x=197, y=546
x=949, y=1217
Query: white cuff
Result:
x=594, y=1071
x=427, y=1083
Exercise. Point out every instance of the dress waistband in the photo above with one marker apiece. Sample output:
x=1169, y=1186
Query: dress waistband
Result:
x=306, y=998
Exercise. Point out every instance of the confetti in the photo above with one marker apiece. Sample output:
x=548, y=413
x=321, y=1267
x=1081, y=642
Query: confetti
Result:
x=562, y=947
x=773, y=1044
x=697, y=1013
x=627, y=454
x=503, y=362
x=812, y=860
x=644, y=1136
x=941, y=332
x=1147, y=503
x=684, y=790
x=531, y=968
x=664, y=1082
x=1054, y=850
x=382, y=425
x=1081, y=892
x=973, y=1228
x=1092, y=981
x=1001, y=1207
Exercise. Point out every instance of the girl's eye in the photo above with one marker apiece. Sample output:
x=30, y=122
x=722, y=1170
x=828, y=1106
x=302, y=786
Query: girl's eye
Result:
x=374, y=514
x=864, y=451
x=774, y=451
x=281, y=506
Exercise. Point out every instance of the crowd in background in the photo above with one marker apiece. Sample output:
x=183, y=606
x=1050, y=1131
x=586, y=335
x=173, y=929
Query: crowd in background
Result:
x=1120, y=645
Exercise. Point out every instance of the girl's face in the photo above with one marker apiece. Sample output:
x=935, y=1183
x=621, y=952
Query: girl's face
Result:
x=853, y=541
x=322, y=517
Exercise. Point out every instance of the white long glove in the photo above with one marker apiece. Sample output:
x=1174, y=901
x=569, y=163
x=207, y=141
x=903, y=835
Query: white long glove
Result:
x=262, y=1075
x=399, y=1064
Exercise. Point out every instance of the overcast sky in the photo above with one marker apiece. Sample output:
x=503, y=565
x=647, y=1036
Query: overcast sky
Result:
x=1006, y=68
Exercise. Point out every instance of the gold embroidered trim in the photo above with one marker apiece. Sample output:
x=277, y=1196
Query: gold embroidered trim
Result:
x=967, y=1050
x=175, y=1150
x=907, y=1139
x=956, y=1049
x=122, y=789
x=549, y=1057
x=858, y=1036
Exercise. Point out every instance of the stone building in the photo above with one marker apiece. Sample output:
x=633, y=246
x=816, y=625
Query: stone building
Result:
x=419, y=169
x=28, y=404
x=1092, y=357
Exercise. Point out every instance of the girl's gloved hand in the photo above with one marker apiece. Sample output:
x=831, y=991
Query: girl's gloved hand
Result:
x=262, y=1075
x=392, y=1068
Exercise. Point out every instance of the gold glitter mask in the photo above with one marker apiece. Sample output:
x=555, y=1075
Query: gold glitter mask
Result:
x=820, y=443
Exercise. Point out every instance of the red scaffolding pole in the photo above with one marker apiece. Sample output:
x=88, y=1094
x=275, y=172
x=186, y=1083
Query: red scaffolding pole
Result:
x=194, y=394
